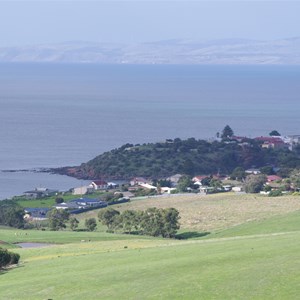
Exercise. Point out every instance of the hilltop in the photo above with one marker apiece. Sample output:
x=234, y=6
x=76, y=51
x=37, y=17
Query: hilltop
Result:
x=176, y=51
x=191, y=156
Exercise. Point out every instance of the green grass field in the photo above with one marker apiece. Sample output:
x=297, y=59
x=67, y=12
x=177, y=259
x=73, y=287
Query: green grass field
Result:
x=253, y=258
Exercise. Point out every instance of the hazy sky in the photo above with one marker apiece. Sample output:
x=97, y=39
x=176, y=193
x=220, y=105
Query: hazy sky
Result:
x=34, y=22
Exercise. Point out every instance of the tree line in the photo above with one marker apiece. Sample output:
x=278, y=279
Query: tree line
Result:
x=153, y=221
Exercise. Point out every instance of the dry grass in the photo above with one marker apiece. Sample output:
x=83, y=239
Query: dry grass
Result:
x=219, y=211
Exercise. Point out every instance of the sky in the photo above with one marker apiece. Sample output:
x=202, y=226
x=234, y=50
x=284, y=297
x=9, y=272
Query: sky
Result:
x=39, y=22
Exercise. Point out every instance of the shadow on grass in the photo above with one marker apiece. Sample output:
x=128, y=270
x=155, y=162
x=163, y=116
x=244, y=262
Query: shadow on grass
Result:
x=190, y=235
x=5, y=270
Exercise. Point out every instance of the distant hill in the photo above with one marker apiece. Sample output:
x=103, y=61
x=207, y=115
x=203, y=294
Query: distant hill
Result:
x=179, y=51
x=191, y=156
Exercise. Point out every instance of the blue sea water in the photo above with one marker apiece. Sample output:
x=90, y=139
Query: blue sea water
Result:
x=57, y=115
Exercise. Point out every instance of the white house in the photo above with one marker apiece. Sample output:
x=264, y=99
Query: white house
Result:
x=83, y=190
x=138, y=181
x=99, y=185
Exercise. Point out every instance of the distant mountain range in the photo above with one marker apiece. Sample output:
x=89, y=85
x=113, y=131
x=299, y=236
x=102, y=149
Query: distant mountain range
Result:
x=179, y=51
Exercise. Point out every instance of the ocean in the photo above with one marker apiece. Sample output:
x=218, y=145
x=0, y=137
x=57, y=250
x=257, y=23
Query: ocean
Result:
x=54, y=115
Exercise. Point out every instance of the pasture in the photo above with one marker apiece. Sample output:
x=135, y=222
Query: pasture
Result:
x=251, y=254
x=208, y=213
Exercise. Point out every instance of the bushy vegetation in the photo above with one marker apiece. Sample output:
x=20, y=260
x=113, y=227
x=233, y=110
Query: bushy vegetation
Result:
x=57, y=219
x=254, y=183
x=8, y=258
x=191, y=156
x=90, y=224
x=153, y=221
x=11, y=214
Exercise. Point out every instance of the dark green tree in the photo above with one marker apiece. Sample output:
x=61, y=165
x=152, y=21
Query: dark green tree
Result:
x=11, y=215
x=73, y=223
x=59, y=200
x=8, y=258
x=109, y=217
x=171, y=222
x=254, y=183
x=206, y=181
x=57, y=218
x=238, y=174
x=90, y=224
x=274, y=133
x=295, y=179
x=130, y=220
x=267, y=170
x=183, y=183
x=152, y=222
x=226, y=132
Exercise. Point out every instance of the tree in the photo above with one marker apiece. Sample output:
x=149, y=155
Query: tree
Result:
x=267, y=170
x=295, y=179
x=130, y=220
x=254, y=183
x=11, y=215
x=152, y=222
x=238, y=174
x=90, y=224
x=206, y=181
x=183, y=183
x=59, y=200
x=57, y=218
x=274, y=133
x=73, y=223
x=171, y=222
x=160, y=222
x=109, y=218
x=227, y=132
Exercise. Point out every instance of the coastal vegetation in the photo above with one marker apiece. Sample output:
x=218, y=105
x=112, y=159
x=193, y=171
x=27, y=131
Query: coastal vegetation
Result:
x=190, y=156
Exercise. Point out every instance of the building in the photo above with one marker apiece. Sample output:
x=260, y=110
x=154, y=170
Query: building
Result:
x=272, y=142
x=99, y=185
x=81, y=204
x=40, y=193
x=83, y=190
x=36, y=214
x=138, y=181
x=174, y=179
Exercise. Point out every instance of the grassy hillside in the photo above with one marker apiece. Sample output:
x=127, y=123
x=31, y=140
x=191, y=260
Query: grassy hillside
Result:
x=257, y=259
x=208, y=213
x=264, y=267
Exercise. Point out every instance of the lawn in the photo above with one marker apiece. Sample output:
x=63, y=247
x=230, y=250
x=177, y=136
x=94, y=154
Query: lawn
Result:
x=253, y=254
x=261, y=267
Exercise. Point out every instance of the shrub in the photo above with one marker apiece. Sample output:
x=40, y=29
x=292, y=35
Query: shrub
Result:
x=275, y=193
x=90, y=224
x=8, y=258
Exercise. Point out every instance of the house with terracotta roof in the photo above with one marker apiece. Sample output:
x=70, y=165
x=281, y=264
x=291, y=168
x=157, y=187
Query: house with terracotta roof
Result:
x=271, y=142
x=272, y=178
